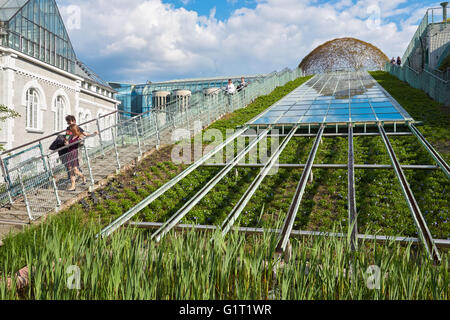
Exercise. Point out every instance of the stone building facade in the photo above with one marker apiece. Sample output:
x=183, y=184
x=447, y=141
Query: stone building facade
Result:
x=44, y=90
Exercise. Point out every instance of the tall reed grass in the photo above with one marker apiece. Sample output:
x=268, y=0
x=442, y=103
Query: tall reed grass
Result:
x=191, y=266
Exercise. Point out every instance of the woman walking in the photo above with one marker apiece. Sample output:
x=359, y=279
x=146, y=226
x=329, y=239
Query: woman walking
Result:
x=73, y=163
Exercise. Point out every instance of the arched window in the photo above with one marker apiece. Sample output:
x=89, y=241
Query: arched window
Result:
x=32, y=109
x=60, y=113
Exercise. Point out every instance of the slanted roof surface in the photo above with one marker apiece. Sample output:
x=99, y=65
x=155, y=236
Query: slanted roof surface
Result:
x=341, y=97
x=8, y=8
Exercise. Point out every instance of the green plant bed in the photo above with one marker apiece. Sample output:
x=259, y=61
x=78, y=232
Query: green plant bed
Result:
x=191, y=267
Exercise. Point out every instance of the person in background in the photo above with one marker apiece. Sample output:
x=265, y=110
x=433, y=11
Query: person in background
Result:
x=72, y=161
x=230, y=88
x=242, y=85
x=393, y=61
x=399, y=61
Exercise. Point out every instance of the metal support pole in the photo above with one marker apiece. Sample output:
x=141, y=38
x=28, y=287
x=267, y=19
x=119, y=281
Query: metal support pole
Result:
x=100, y=137
x=141, y=118
x=353, y=220
x=137, y=137
x=293, y=209
x=116, y=150
x=158, y=133
x=55, y=187
x=41, y=149
x=436, y=156
x=7, y=183
x=25, y=197
x=418, y=218
x=88, y=161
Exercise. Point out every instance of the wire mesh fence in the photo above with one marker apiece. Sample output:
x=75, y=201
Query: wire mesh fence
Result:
x=41, y=180
x=436, y=87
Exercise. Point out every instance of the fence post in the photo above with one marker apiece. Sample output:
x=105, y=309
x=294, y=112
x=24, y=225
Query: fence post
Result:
x=41, y=149
x=55, y=187
x=137, y=137
x=158, y=134
x=27, y=204
x=143, y=130
x=7, y=184
x=116, y=150
x=100, y=137
x=91, y=188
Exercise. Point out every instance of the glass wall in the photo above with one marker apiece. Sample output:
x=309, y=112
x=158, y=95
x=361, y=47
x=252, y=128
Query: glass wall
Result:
x=37, y=30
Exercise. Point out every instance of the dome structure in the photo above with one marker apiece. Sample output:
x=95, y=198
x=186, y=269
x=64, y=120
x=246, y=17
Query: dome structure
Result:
x=343, y=54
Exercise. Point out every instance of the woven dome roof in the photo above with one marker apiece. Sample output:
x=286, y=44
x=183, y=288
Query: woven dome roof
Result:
x=343, y=53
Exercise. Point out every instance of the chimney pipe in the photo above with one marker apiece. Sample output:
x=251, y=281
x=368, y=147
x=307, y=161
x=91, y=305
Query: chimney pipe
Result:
x=444, y=10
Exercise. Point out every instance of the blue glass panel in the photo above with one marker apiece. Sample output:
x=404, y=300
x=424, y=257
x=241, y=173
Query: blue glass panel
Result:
x=295, y=113
x=360, y=105
x=280, y=108
x=316, y=112
x=299, y=108
x=339, y=112
x=289, y=120
x=306, y=102
x=274, y=113
x=390, y=116
x=341, y=101
x=379, y=99
x=363, y=117
x=312, y=119
x=362, y=111
x=339, y=106
x=325, y=98
x=338, y=118
x=360, y=96
x=359, y=100
x=265, y=120
x=319, y=107
x=381, y=104
x=386, y=110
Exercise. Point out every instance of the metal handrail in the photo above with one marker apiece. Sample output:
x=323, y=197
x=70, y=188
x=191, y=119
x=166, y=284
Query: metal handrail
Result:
x=62, y=131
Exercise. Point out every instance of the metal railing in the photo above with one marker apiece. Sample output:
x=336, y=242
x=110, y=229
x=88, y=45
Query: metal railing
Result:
x=428, y=81
x=432, y=16
x=38, y=179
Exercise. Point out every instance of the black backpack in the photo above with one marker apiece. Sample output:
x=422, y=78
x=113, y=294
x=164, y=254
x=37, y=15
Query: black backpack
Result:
x=58, y=143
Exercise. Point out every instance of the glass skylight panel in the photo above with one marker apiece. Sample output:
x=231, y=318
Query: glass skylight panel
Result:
x=335, y=99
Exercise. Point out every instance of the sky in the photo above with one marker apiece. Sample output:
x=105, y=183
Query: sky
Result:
x=134, y=41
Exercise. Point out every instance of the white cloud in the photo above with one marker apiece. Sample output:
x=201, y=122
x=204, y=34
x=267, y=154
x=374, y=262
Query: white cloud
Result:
x=150, y=40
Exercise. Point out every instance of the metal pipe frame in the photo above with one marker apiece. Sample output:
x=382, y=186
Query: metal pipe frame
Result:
x=329, y=166
x=240, y=206
x=436, y=156
x=327, y=135
x=136, y=209
x=25, y=197
x=420, y=222
x=352, y=214
x=100, y=137
x=292, y=213
x=441, y=243
x=180, y=214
